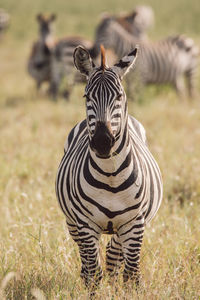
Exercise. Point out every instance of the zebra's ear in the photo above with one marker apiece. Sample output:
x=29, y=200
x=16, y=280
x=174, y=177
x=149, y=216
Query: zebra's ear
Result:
x=83, y=61
x=127, y=62
x=39, y=17
x=53, y=17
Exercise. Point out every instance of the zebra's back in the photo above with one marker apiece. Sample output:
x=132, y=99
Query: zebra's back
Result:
x=166, y=60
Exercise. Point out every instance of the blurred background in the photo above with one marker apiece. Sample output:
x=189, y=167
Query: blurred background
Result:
x=38, y=259
x=79, y=18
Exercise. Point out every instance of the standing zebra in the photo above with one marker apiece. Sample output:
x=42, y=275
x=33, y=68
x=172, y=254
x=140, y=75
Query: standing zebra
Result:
x=39, y=62
x=51, y=60
x=167, y=61
x=108, y=181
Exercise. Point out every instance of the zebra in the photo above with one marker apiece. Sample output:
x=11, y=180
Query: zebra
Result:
x=39, y=62
x=4, y=20
x=138, y=22
x=51, y=59
x=108, y=181
x=62, y=65
x=167, y=61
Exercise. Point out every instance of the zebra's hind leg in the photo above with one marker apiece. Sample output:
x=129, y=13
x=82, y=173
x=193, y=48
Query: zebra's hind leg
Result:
x=114, y=256
x=131, y=239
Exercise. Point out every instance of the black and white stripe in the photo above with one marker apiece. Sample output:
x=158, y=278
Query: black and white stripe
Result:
x=167, y=61
x=108, y=181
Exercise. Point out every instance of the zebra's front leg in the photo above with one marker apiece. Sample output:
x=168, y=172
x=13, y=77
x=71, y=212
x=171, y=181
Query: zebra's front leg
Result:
x=38, y=85
x=180, y=87
x=131, y=239
x=114, y=256
x=191, y=82
x=91, y=271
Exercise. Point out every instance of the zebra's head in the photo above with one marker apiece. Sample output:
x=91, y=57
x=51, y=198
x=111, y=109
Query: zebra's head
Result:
x=105, y=99
x=46, y=28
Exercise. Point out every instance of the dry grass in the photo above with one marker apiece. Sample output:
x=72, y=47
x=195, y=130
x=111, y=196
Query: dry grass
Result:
x=35, y=244
x=38, y=259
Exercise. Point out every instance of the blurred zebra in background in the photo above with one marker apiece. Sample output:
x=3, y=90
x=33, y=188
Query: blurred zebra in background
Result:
x=108, y=181
x=62, y=65
x=167, y=61
x=137, y=23
x=51, y=60
x=39, y=62
x=4, y=20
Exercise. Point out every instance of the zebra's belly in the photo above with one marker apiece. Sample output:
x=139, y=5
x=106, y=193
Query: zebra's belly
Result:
x=42, y=74
x=105, y=209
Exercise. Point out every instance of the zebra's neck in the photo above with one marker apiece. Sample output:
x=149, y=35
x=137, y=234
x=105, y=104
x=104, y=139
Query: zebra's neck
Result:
x=47, y=40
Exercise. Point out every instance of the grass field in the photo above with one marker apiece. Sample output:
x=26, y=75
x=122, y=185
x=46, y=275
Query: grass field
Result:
x=38, y=259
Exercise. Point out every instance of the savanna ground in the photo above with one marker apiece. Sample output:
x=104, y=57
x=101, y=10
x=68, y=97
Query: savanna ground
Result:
x=38, y=259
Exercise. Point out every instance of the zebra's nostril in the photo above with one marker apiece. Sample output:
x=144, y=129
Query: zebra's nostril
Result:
x=103, y=139
x=102, y=143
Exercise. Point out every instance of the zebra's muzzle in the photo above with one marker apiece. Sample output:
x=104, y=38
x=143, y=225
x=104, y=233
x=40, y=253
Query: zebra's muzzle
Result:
x=102, y=140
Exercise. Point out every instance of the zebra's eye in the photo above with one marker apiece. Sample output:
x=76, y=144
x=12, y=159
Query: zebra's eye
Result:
x=86, y=96
x=119, y=97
